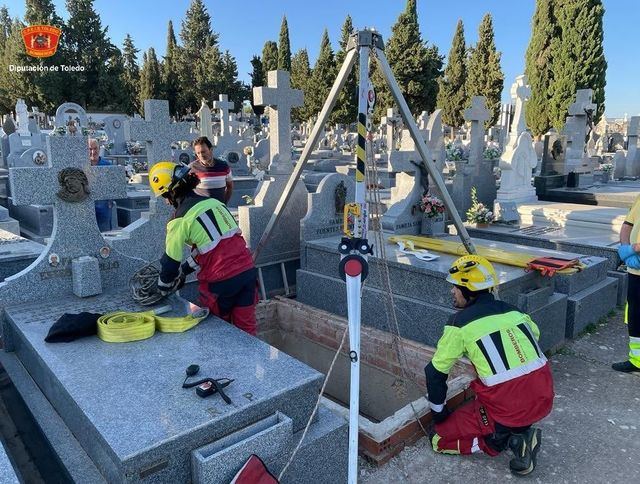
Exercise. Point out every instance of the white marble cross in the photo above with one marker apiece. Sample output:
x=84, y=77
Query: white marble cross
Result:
x=224, y=105
x=281, y=98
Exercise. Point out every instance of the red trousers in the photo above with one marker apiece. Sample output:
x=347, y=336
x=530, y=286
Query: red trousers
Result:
x=233, y=300
x=464, y=431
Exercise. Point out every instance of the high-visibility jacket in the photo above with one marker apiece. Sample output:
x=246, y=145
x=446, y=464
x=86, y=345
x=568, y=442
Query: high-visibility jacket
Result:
x=514, y=379
x=217, y=246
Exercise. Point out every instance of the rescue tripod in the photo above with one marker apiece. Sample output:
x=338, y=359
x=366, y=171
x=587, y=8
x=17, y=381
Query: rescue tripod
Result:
x=354, y=247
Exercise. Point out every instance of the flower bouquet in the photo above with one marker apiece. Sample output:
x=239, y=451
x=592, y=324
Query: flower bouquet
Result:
x=478, y=213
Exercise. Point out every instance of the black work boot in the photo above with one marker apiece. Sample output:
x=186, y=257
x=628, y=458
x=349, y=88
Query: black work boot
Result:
x=625, y=367
x=525, y=447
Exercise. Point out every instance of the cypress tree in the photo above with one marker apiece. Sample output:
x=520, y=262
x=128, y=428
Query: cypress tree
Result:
x=484, y=76
x=170, y=81
x=452, y=97
x=539, y=66
x=41, y=12
x=258, y=79
x=269, y=56
x=578, y=57
x=322, y=76
x=5, y=27
x=196, y=33
x=284, y=48
x=150, y=79
x=300, y=79
x=346, y=110
x=131, y=75
x=415, y=65
x=14, y=85
x=199, y=58
x=86, y=44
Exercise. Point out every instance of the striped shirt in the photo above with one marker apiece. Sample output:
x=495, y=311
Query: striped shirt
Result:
x=213, y=179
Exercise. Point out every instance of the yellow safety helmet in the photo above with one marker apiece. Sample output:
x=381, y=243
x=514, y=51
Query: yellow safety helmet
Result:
x=473, y=272
x=165, y=175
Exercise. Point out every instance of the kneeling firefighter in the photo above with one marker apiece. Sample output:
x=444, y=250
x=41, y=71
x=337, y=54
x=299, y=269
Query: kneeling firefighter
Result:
x=227, y=275
x=514, y=388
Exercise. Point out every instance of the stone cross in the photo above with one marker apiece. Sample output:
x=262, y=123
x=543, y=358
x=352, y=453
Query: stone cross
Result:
x=477, y=114
x=224, y=105
x=281, y=98
x=521, y=92
x=158, y=131
x=583, y=102
x=75, y=230
x=390, y=121
x=144, y=238
x=576, y=128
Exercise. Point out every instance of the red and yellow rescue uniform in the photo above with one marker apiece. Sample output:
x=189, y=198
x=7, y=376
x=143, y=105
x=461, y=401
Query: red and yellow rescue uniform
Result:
x=514, y=388
x=227, y=275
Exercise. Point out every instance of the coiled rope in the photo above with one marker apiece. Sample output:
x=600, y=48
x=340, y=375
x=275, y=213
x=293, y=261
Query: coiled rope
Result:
x=144, y=284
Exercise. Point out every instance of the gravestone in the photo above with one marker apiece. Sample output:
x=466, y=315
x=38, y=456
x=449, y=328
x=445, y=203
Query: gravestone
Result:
x=476, y=171
x=575, y=129
x=115, y=127
x=552, y=168
x=145, y=237
x=71, y=115
x=632, y=165
x=284, y=241
x=518, y=160
x=228, y=145
x=619, y=162
x=71, y=185
x=324, y=216
x=411, y=183
x=435, y=139
x=391, y=122
x=280, y=98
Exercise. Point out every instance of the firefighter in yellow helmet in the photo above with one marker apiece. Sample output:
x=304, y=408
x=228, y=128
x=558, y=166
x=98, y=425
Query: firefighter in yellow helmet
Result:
x=226, y=273
x=514, y=387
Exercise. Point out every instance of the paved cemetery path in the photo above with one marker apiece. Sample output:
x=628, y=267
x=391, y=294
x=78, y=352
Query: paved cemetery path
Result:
x=592, y=435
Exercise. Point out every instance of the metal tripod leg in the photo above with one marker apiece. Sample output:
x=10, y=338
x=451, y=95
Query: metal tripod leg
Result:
x=422, y=149
x=312, y=142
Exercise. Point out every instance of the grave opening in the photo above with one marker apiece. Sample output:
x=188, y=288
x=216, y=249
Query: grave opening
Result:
x=388, y=407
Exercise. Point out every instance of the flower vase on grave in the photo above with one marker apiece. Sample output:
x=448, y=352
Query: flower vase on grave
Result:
x=432, y=226
x=480, y=225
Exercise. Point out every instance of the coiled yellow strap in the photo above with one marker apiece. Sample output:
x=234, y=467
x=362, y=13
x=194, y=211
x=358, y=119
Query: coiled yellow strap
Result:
x=122, y=327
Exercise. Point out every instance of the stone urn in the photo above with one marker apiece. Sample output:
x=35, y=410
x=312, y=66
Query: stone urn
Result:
x=432, y=226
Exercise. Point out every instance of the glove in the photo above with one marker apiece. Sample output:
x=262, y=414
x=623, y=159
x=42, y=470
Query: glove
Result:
x=625, y=251
x=633, y=262
x=176, y=284
x=439, y=417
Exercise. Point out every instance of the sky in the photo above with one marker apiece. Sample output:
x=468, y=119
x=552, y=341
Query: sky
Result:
x=243, y=28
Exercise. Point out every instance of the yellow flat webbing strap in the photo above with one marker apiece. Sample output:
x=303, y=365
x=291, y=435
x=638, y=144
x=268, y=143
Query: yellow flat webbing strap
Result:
x=501, y=256
x=123, y=327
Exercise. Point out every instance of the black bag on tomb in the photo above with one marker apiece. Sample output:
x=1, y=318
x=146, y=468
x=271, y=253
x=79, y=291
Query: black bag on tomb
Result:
x=70, y=327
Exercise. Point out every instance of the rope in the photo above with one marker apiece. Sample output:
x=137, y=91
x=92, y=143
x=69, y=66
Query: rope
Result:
x=144, y=285
x=390, y=308
x=315, y=409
